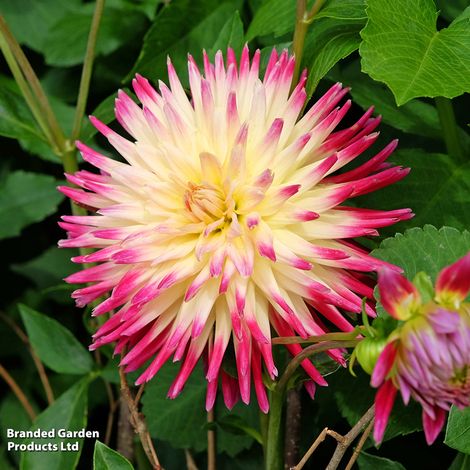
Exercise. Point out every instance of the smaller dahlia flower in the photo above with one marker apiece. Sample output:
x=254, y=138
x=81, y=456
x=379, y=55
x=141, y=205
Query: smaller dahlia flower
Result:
x=427, y=357
x=226, y=222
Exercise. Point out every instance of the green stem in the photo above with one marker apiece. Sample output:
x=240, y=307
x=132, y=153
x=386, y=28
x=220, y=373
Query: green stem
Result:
x=28, y=96
x=274, y=446
x=307, y=352
x=450, y=129
x=275, y=439
x=36, y=88
x=318, y=339
x=263, y=424
x=69, y=157
x=87, y=69
x=302, y=22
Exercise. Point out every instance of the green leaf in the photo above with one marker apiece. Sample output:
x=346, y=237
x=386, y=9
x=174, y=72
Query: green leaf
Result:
x=182, y=26
x=415, y=117
x=13, y=416
x=182, y=421
x=17, y=122
x=54, y=344
x=65, y=45
x=105, y=458
x=277, y=17
x=230, y=35
x=402, y=48
x=346, y=10
x=450, y=9
x=458, y=430
x=424, y=249
x=26, y=198
x=68, y=412
x=31, y=20
x=49, y=268
x=374, y=462
x=461, y=462
x=437, y=190
x=354, y=396
x=327, y=42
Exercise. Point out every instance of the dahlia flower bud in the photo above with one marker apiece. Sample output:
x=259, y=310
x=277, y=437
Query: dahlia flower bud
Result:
x=367, y=352
x=226, y=222
x=427, y=357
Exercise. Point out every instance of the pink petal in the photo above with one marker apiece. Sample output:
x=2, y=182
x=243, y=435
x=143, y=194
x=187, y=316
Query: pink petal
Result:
x=383, y=406
x=384, y=364
x=397, y=294
x=454, y=280
x=432, y=427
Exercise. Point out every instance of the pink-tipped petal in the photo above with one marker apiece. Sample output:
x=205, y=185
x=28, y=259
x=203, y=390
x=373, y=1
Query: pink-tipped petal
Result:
x=397, y=294
x=384, y=401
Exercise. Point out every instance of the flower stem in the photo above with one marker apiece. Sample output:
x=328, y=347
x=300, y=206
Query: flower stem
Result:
x=15, y=388
x=37, y=362
x=274, y=443
x=318, y=339
x=450, y=129
x=307, y=352
x=211, y=447
x=302, y=22
x=31, y=88
x=138, y=422
x=69, y=158
x=87, y=69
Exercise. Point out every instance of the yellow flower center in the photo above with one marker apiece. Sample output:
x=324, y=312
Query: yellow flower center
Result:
x=208, y=203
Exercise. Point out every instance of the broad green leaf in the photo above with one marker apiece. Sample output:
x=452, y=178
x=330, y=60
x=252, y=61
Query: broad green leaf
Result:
x=415, y=117
x=17, y=122
x=68, y=412
x=328, y=41
x=346, y=10
x=49, y=268
x=4, y=462
x=450, y=9
x=182, y=26
x=54, y=344
x=230, y=35
x=13, y=416
x=105, y=458
x=374, y=462
x=461, y=462
x=458, y=430
x=65, y=45
x=354, y=396
x=277, y=17
x=402, y=48
x=182, y=421
x=424, y=249
x=437, y=190
x=31, y=21
x=26, y=198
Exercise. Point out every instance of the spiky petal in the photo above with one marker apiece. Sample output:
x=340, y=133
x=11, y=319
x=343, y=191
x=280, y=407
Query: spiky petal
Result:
x=226, y=221
x=427, y=357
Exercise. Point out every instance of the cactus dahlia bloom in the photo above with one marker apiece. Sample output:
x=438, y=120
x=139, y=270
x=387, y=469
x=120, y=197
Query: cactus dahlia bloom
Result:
x=226, y=221
x=427, y=357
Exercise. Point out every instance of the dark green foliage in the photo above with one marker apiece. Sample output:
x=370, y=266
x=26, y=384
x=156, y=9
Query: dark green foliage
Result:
x=396, y=55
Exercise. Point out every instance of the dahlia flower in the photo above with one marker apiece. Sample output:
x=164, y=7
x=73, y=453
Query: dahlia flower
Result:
x=427, y=357
x=224, y=223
